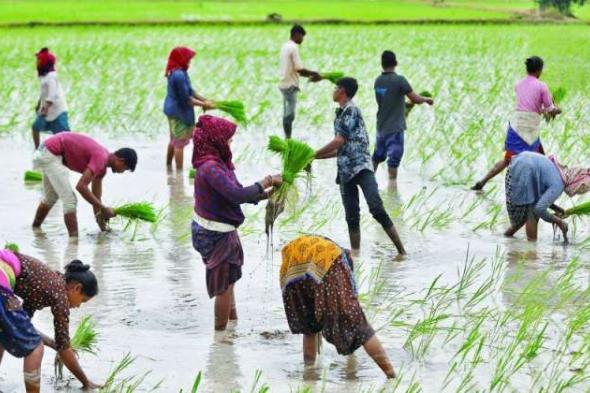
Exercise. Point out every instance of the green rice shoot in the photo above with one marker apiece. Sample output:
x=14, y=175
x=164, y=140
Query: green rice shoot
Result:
x=234, y=108
x=83, y=341
x=276, y=144
x=192, y=173
x=143, y=211
x=297, y=156
x=332, y=76
x=558, y=95
x=12, y=247
x=579, y=210
x=33, y=176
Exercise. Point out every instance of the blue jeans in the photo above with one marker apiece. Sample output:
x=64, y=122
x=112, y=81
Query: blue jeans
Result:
x=350, y=198
x=390, y=147
x=56, y=125
x=289, y=105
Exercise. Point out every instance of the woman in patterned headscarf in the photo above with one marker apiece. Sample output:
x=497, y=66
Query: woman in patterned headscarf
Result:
x=319, y=295
x=52, y=110
x=533, y=184
x=218, y=196
x=179, y=103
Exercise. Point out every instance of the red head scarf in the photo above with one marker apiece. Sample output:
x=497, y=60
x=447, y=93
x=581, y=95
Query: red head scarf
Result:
x=210, y=141
x=179, y=57
x=45, y=61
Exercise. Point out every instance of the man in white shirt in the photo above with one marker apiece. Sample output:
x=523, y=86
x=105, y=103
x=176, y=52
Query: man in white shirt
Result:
x=291, y=68
x=52, y=111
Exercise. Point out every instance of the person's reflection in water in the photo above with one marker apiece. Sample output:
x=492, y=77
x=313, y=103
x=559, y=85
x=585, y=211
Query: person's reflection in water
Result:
x=46, y=248
x=71, y=251
x=223, y=371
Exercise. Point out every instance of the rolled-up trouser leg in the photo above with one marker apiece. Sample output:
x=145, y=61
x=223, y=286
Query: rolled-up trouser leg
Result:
x=56, y=182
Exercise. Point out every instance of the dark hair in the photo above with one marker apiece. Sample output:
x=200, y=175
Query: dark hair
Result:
x=129, y=156
x=78, y=272
x=349, y=85
x=534, y=64
x=388, y=59
x=297, y=29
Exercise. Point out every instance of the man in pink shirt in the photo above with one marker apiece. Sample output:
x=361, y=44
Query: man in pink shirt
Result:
x=533, y=100
x=79, y=153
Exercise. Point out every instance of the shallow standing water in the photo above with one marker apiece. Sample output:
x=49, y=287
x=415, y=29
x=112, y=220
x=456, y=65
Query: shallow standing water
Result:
x=153, y=302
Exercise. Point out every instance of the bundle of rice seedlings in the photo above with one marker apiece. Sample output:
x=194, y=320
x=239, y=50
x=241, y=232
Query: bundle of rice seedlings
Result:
x=191, y=173
x=144, y=211
x=276, y=144
x=332, y=76
x=12, y=247
x=33, y=176
x=582, y=209
x=558, y=95
x=234, y=108
x=297, y=156
x=410, y=105
x=84, y=340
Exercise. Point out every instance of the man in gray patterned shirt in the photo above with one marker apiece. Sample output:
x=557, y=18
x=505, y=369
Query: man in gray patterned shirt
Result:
x=355, y=168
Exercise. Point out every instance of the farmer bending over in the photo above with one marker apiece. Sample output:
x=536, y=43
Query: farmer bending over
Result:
x=319, y=295
x=533, y=184
x=355, y=169
x=82, y=154
x=39, y=287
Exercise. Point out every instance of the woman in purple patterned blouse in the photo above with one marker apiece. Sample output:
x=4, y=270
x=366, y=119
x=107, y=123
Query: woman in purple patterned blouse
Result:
x=218, y=196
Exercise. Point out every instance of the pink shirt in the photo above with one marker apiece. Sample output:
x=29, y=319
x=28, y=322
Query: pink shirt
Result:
x=79, y=152
x=532, y=95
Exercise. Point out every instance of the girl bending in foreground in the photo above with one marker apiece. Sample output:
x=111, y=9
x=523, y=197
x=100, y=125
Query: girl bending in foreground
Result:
x=218, y=196
x=533, y=184
x=319, y=295
x=39, y=287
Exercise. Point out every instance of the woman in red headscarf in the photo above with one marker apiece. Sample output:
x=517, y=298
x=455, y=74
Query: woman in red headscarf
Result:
x=179, y=103
x=218, y=196
x=52, y=111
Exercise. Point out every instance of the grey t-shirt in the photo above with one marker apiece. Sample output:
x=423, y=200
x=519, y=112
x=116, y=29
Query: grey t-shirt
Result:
x=390, y=93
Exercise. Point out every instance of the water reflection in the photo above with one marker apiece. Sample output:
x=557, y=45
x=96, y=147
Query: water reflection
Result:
x=223, y=372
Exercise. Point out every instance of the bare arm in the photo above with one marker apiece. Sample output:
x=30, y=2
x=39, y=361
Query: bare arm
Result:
x=70, y=360
x=314, y=76
x=97, y=191
x=331, y=149
x=417, y=99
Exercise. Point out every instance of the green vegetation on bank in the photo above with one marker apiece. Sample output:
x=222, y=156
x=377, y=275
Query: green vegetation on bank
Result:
x=68, y=11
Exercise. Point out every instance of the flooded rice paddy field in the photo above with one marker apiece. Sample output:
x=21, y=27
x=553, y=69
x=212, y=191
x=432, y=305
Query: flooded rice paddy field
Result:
x=466, y=310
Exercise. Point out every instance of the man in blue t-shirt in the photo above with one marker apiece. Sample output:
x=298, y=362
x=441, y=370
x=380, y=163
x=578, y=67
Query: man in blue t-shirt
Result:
x=390, y=92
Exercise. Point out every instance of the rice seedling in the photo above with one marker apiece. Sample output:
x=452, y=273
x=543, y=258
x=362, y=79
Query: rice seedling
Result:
x=558, y=94
x=33, y=176
x=12, y=247
x=296, y=156
x=234, y=108
x=332, y=76
x=578, y=210
x=84, y=341
x=115, y=384
x=191, y=173
x=143, y=211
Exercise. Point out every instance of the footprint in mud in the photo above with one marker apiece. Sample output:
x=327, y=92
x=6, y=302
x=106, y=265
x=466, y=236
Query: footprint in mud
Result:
x=275, y=335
